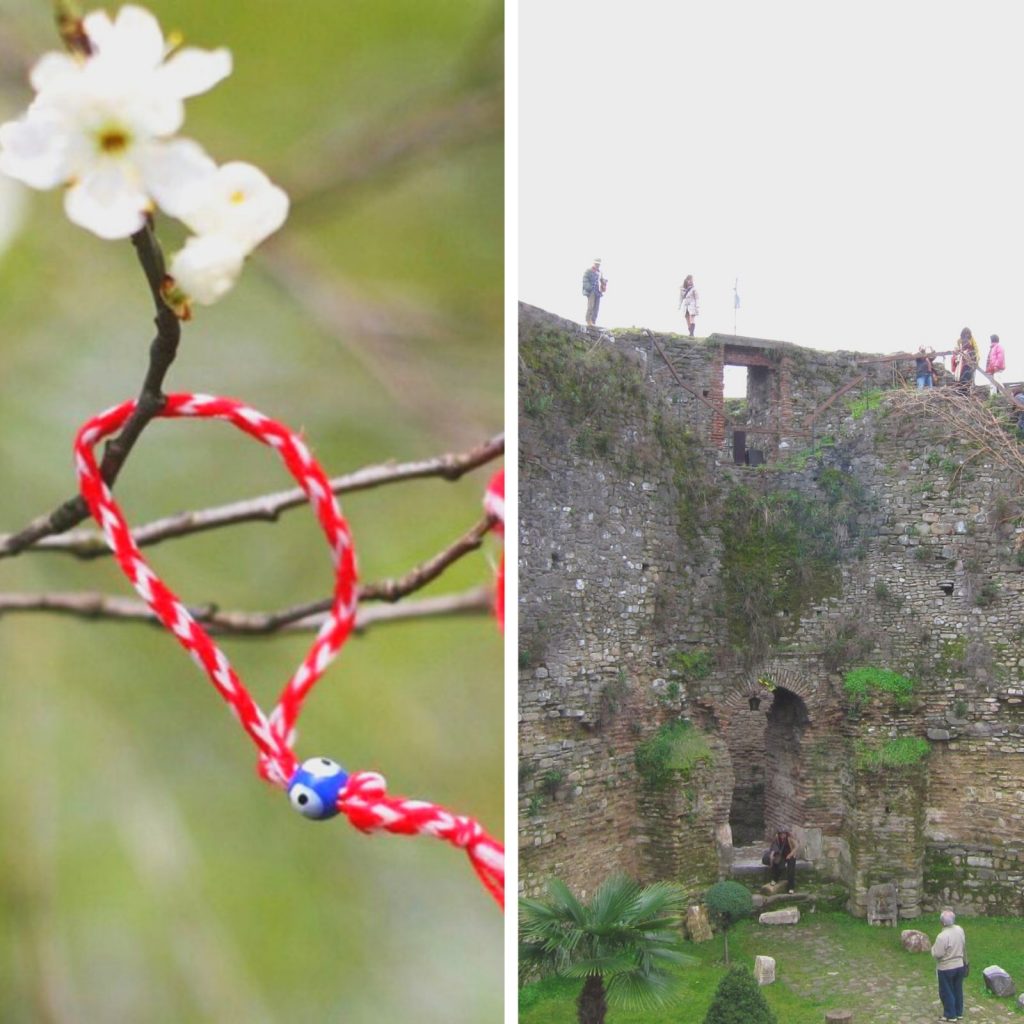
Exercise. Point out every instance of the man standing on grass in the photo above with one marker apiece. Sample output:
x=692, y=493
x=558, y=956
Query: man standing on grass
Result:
x=950, y=952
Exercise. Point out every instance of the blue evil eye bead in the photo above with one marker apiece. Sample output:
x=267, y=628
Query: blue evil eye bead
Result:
x=314, y=788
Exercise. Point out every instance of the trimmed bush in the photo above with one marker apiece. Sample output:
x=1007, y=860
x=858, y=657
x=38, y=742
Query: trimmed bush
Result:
x=738, y=1000
x=728, y=902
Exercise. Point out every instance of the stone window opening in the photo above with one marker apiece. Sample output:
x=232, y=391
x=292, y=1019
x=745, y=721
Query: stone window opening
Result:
x=750, y=402
x=946, y=588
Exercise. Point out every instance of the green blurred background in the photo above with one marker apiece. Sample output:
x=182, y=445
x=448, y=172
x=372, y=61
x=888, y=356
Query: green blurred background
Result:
x=146, y=874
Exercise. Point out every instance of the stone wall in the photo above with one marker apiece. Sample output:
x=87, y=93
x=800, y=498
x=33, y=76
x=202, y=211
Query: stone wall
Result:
x=627, y=542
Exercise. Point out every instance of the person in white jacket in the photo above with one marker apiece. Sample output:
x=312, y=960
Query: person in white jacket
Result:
x=950, y=952
x=688, y=302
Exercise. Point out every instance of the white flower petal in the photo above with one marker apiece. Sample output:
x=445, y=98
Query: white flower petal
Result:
x=34, y=151
x=176, y=174
x=108, y=200
x=98, y=27
x=242, y=203
x=192, y=71
x=53, y=70
x=134, y=39
x=207, y=268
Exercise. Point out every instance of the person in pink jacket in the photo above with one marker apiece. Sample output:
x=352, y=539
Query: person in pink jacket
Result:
x=996, y=361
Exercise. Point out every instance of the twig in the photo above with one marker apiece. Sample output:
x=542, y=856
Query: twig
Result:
x=87, y=544
x=162, y=351
x=96, y=606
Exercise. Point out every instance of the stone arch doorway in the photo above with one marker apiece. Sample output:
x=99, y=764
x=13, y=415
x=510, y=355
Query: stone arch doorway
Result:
x=765, y=730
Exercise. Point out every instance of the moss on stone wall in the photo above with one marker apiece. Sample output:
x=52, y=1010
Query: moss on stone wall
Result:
x=580, y=382
x=780, y=556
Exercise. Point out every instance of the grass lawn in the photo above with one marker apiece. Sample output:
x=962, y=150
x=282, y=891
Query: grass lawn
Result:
x=827, y=961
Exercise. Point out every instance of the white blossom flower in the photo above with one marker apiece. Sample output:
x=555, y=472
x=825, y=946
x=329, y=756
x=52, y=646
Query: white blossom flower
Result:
x=206, y=268
x=101, y=125
x=240, y=203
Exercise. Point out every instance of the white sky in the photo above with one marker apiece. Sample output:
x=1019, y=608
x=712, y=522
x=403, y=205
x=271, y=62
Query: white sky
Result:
x=858, y=166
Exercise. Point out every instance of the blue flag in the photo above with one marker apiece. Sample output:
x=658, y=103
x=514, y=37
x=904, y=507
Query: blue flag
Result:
x=736, y=294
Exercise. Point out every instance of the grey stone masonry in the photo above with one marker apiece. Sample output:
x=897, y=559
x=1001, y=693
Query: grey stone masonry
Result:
x=640, y=583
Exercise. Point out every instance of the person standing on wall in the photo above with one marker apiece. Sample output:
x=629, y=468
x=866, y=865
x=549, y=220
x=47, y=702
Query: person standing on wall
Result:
x=996, y=361
x=967, y=358
x=688, y=302
x=950, y=952
x=782, y=854
x=924, y=369
x=594, y=286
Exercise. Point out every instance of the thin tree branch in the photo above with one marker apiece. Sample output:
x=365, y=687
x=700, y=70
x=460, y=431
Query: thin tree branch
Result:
x=96, y=605
x=162, y=351
x=103, y=607
x=87, y=544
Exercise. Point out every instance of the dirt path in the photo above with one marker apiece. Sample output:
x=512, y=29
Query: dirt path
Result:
x=900, y=990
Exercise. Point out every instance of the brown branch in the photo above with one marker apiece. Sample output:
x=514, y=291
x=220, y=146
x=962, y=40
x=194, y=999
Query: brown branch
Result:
x=162, y=351
x=96, y=606
x=87, y=544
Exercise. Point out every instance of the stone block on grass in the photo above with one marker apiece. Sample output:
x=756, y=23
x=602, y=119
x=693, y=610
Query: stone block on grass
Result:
x=698, y=927
x=915, y=941
x=998, y=981
x=788, y=916
x=764, y=970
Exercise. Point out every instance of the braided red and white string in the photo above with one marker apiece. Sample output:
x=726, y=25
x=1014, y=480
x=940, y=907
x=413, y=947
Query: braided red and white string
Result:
x=362, y=796
x=494, y=505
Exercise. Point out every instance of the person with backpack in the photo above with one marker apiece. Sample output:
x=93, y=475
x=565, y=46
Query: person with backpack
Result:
x=594, y=286
x=688, y=302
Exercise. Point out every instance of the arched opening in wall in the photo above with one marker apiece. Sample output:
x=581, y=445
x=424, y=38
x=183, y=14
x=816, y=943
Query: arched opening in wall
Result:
x=765, y=742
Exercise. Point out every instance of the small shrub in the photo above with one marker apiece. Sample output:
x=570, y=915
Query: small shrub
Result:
x=727, y=902
x=675, y=747
x=739, y=1000
x=861, y=683
x=987, y=595
x=867, y=400
x=691, y=665
x=903, y=752
x=551, y=782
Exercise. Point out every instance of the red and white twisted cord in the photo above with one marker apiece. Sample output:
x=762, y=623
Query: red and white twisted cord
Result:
x=363, y=800
x=494, y=505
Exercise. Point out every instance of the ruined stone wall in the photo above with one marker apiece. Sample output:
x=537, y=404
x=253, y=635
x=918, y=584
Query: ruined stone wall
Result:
x=622, y=559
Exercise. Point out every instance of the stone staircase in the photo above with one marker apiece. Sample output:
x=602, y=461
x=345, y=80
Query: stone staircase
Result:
x=812, y=891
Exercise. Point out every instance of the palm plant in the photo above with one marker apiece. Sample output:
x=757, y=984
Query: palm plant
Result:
x=621, y=943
